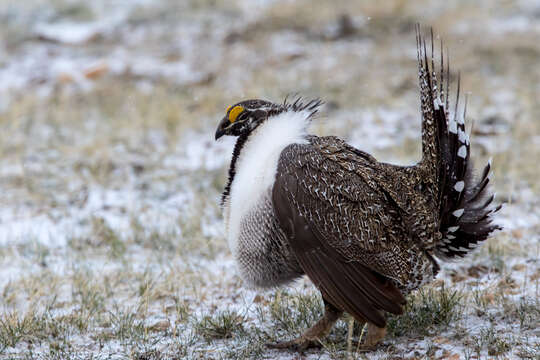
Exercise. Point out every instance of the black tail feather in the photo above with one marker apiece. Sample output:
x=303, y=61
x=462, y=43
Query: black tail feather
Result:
x=465, y=201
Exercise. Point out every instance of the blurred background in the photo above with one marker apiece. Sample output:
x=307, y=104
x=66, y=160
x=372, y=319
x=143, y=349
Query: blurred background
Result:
x=111, y=238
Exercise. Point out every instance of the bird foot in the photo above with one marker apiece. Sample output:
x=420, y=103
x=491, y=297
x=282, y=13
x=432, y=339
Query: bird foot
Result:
x=311, y=338
x=299, y=344
x=367, y=348
x=374, y=336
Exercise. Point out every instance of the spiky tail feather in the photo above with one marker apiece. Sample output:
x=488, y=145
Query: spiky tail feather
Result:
x=465, y=210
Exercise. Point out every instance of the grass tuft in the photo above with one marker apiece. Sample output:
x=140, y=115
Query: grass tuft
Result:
x=427, y=310
x=15, y=328
x=126, y=327
x=222, y=325
x=105, y=235
x=293, y=313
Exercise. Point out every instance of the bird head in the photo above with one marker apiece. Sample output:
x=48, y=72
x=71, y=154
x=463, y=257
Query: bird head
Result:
x=244, y=117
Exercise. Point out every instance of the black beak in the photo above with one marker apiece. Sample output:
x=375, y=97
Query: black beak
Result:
x=221, y=127
x=219, y=133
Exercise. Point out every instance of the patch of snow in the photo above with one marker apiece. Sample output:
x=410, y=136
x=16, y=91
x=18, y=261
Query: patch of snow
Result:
x=69, y=33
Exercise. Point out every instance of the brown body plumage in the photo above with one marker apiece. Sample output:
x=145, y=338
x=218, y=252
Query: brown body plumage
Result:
x=365, y=232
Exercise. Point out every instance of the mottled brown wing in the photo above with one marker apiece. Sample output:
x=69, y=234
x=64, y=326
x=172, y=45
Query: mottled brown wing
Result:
x=343, y=232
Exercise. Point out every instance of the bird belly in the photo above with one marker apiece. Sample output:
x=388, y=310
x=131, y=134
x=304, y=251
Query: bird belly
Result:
x=262, y=252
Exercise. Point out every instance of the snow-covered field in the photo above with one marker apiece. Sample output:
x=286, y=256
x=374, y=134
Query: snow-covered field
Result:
x=111, y=237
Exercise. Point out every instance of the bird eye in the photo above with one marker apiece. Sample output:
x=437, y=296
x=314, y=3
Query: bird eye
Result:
x=242, y=116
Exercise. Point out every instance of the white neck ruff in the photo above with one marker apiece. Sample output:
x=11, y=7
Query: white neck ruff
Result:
x=257, y=164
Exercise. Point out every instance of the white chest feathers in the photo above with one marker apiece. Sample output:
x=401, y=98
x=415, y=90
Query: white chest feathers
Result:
x=257, y=164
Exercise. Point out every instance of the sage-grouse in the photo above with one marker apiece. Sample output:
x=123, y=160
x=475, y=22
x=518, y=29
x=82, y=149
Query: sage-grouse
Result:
x=365, y=232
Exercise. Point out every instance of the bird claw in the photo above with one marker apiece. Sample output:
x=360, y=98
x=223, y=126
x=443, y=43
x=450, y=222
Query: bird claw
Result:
x=311, y=338
x=300, y=344
x=367, y=348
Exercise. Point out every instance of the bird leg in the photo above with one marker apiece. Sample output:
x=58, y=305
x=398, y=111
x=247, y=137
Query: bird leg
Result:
x=374, y=335
x=312, y=336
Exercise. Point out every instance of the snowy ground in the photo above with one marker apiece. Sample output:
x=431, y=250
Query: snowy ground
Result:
x=111, y=238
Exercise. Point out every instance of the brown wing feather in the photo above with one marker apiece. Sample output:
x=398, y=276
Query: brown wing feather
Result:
x=349, y=284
